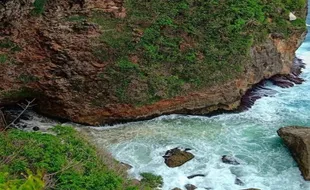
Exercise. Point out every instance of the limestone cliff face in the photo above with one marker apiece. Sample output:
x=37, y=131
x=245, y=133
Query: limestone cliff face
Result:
x=55, y=64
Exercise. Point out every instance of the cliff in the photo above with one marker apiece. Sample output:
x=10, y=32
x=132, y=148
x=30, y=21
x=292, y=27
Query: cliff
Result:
x=106, y=61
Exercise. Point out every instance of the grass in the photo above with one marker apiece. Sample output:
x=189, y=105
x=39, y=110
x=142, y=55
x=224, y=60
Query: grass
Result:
x=3, y=58
x=25, y=78
x=39, y=7
x=62, y=160
x=194, y=43
x=19, y=94
x=151, y=180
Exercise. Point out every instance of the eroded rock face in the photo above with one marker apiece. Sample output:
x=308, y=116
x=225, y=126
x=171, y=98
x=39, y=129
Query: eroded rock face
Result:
x=14, y=9
x=177, y=157
x=297, y=139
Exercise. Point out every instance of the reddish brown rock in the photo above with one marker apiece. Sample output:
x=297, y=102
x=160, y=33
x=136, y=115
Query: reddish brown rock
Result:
x=190, y=187
x=177, y=157
x=297, y=139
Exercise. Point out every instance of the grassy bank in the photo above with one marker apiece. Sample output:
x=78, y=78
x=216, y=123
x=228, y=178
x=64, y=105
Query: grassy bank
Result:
x=62, y=160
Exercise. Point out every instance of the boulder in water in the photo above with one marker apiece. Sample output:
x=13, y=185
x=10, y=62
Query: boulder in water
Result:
x=229, y=160
x=176, y=188
x=297, y=139
x=239, y=182
x=177, y=157
x=196, y=175
x=36, y=128
x=190, y=187
x=251, y=189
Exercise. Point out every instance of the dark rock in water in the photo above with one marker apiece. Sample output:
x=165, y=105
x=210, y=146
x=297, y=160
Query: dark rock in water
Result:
x=294, y=79
x=229, y=160
x=36, y=128
x=176, y=188
x=196, y=175
x=251, y=189
x=127, y=166
x=238, y=182
x=297, y=139
x=177, y=157
x=190, y=187
x=281, y=81
x=248, y=100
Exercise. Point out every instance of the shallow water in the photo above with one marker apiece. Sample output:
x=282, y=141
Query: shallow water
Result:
x=250, y=136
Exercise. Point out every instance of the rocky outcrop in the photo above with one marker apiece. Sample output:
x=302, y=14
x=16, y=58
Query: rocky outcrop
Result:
x=190, y=187
x=229, y=160
x=297, y=139
x=195, y=175
x=177, y=157
x=11, y=10
x=56, y=64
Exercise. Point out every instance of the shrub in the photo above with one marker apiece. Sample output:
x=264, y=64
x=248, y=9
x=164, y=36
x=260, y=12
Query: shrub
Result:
x=151, y=180
x=3, y=58
x=39, y=6
x=68, y=160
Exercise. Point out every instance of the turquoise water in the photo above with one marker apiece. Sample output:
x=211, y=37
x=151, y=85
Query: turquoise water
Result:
x=249, y=136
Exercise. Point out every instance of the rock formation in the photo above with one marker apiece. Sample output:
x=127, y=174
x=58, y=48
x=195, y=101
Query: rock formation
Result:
x=177, y=157
x=229, y=160
x=52, y=58
x=297, y=139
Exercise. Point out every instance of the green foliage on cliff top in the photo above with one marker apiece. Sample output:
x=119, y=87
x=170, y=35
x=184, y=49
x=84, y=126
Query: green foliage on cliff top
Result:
x=61, y=161
x=186, y=44
x=39, y=7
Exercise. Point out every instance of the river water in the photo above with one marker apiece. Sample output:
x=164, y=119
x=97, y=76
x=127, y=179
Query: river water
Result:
x=249, y=136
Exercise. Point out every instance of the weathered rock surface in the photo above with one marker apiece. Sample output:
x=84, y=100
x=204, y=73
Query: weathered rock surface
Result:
x=239, y=182
x=177, y=157
x=229, y=160
x=190, y=187
x=297, y=139
x=195, y=175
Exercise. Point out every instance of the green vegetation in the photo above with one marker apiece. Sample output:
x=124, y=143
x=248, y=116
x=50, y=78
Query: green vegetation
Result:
x=39, y=6
x=186, y=43
x=19, y=94
x=60, y=161
x=151, y=180
x=8, y=48
x=8, y=44
x=25, y=78
x=3, y=58
x=76, y=18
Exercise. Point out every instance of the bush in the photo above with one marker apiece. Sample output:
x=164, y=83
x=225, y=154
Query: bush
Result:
x=39, y=6
x=69, y=161
x=151, y=180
